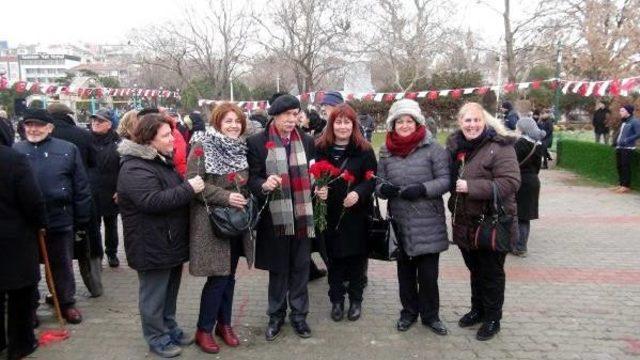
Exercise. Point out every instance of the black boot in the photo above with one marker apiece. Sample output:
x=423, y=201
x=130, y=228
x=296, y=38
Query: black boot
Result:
x=337, y=311
x=355, y=310
x=488, y=330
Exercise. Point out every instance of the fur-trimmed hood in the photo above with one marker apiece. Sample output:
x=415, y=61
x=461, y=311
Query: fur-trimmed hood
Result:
x=130, y=148
x=454, y=139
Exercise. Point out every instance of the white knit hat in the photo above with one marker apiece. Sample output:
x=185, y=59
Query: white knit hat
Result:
x=405, y=107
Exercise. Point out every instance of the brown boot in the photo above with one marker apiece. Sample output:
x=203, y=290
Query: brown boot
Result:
x=206, y=342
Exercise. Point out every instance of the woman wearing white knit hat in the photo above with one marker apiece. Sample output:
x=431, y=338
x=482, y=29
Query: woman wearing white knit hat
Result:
x=414, y=174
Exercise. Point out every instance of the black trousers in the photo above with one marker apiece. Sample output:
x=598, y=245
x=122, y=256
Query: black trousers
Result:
x=347, y=275
x=111, y=234
x=216, y=301
x=60, y=250
x=291, y=285
x=18, y=303
x=623, y=162
x=418, y=285
x=487, y=281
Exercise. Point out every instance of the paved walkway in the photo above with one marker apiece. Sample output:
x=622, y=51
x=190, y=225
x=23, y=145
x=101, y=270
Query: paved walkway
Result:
x=576, y=296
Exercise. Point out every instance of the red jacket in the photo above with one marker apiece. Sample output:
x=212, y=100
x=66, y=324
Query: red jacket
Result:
x=179, y=152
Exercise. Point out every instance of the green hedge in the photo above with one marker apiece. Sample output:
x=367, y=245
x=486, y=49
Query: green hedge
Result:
x=595, y=161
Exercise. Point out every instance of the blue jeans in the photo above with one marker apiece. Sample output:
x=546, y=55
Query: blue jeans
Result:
x=157, y=303
x=216, y=301
x=524, y=227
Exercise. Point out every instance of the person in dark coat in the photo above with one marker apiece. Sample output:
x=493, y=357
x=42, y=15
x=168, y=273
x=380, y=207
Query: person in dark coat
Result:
x=510, y=115
x=89, y=250
x=415, y=169
x=154, y=205
x=22, y=215
x=545, y=123
x=105, y=179
x=368, y=124
x=62, y=178
x=600, y=122
x=344, y=146
x=625, y=144
x=278, y=159
x=529, y=150
x=483, y=155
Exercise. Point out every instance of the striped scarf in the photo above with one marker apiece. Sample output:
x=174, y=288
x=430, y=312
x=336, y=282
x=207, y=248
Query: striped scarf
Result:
x=291, y=207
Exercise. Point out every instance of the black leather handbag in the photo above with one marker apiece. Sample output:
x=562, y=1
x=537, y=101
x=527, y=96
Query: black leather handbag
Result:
x=493, y=230
x=230, y=222
x=383, y=243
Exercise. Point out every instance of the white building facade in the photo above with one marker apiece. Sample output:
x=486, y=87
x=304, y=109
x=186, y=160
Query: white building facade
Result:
x=45, y=68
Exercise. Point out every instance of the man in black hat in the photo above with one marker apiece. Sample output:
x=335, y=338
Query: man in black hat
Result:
x=88, y=250
x=61, y=175
x=105, y=179
x=279, y=159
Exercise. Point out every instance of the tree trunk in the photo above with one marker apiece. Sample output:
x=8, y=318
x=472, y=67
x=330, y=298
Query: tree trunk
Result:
x=508, y=38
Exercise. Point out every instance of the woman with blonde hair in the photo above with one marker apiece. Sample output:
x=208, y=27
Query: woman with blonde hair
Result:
x=127, y=124
x=483, y=159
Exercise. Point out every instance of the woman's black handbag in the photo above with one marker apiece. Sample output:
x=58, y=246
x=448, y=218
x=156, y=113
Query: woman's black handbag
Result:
x=493, y=230
x=230, y=222
x=383, y=243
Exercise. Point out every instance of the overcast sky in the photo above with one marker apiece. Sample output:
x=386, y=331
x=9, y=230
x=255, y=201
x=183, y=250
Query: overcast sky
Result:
x=68, y=21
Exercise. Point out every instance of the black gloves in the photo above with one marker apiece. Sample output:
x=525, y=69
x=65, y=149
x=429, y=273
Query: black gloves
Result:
x=413, y=192
x=389, y=191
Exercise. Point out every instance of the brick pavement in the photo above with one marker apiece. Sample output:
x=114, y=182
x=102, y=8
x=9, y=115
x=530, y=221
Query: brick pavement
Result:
x=576, y=296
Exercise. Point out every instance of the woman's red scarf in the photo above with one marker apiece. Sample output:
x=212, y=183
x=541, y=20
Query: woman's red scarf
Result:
x=404, y=145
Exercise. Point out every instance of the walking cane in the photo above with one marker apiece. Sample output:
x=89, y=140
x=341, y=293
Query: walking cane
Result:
x=51, y=335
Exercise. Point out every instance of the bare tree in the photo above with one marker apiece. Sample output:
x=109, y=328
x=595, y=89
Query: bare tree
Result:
x=209, y=44
x=404, y=39
x=307, y=35
x=603, y=36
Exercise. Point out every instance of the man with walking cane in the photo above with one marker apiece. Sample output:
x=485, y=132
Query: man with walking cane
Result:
x=60, y=173
x=22, y=213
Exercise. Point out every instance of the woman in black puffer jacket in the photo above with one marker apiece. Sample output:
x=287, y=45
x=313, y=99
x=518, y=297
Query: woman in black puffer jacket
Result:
x=154, y=205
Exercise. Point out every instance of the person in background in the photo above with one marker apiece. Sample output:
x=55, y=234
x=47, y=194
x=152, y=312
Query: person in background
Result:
x=415, y=169
x=88, y=250
x=368, y=125
x=279, y=159
x=545, y=123
x=510, y=115
x=61, y=176
x=600, y=122
x=127, y=123
x=105, y=179
x=22, y=215
x=625, y=143
x=154, y=205
x=329, y=101
x=483, y=154
x=348, y=208
x=529, y=151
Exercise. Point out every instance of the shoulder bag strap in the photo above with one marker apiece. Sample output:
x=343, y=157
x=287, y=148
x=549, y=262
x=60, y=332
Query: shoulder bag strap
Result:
x=528, y=156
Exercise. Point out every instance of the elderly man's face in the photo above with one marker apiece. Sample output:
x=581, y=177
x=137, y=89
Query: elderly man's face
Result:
x=286, y=122
x=36, y=131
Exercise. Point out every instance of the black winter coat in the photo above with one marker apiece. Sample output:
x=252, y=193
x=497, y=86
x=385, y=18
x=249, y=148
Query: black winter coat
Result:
x=271, y=252
x=66, y=129
x=350, y=237
x=62, y=178
x=547, y=126
x=529, y=192
x=104, y=180
x=22, y=213
x=154, y=205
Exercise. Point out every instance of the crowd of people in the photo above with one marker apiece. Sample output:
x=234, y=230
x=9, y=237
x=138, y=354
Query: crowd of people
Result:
x=169, y=180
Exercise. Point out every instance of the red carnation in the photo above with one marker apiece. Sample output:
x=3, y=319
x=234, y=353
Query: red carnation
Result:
x=348, y=176
x=369, y=175
x=232, y=177
x=461, y=156
x=270, y=145
x=198, y=152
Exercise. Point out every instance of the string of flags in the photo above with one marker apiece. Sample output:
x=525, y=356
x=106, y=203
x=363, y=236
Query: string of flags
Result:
x=97, y=92
x=615, y=87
